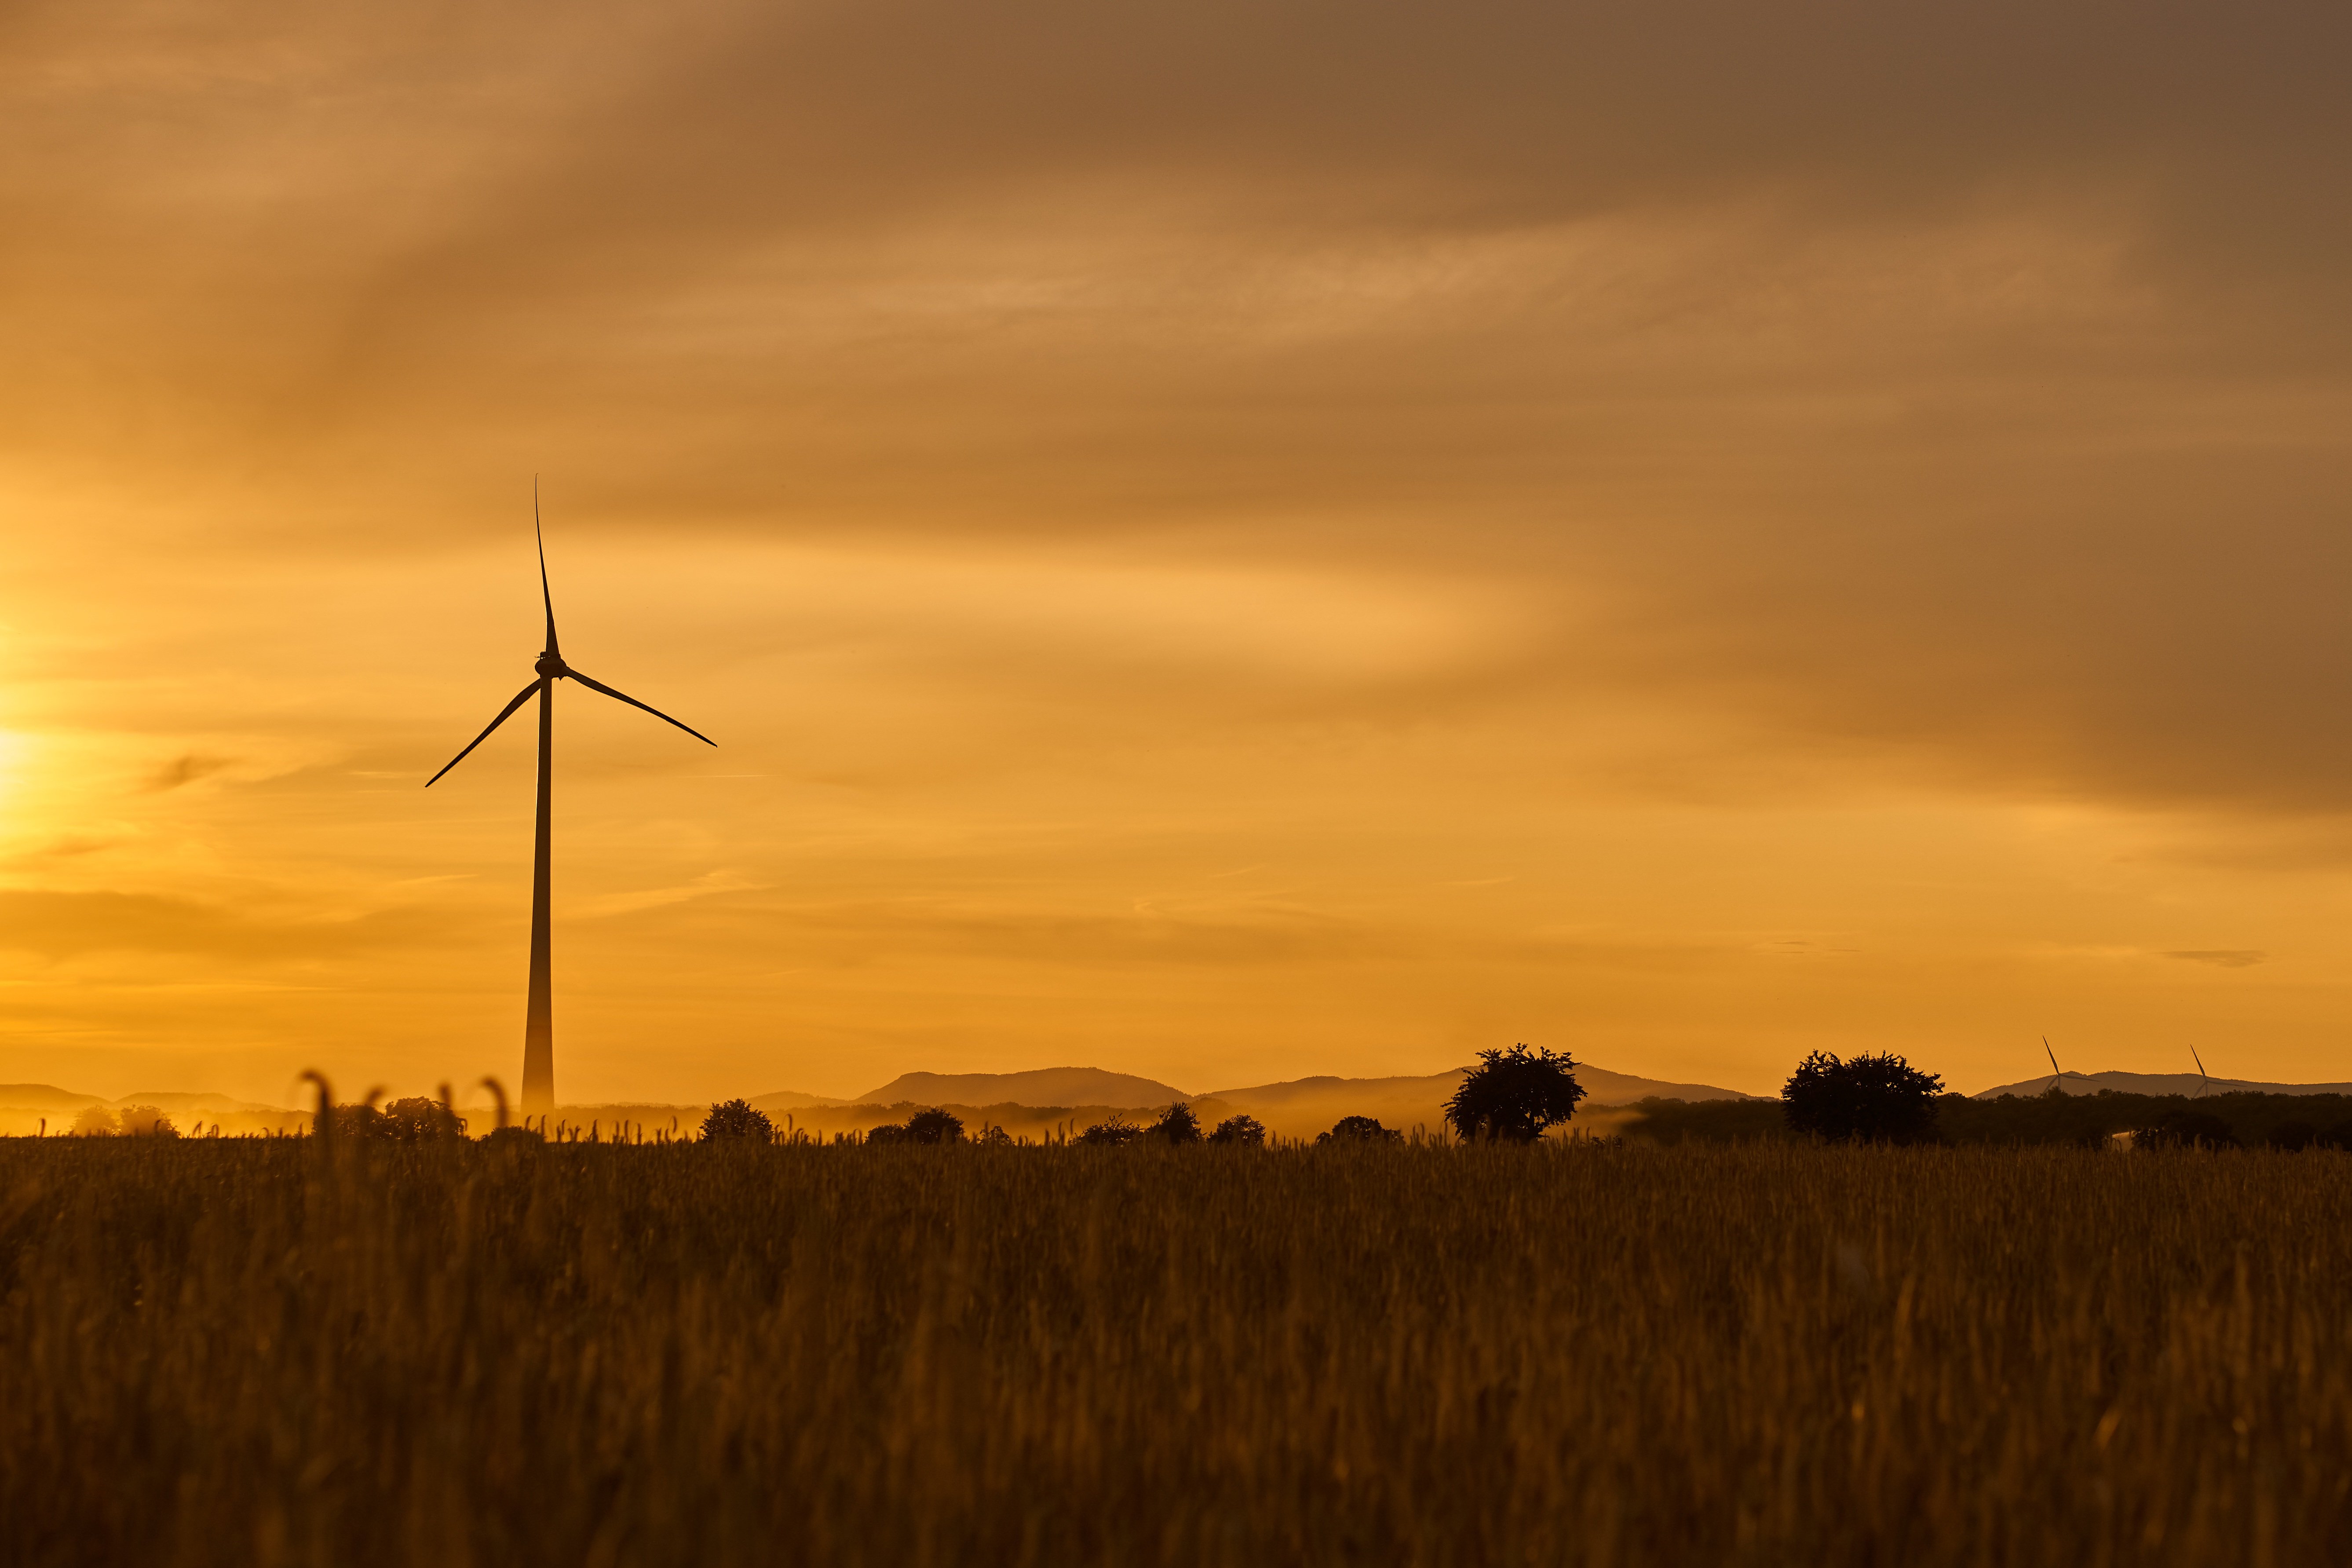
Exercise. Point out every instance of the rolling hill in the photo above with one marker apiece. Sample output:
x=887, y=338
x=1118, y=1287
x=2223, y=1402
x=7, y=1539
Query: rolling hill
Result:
x=2188, y=1083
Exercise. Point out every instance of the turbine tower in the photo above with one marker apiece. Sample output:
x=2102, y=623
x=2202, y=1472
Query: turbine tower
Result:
x=539, y=1021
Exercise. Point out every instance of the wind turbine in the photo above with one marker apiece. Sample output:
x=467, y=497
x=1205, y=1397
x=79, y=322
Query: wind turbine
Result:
x=2205, y=1079
x=2057, y=1079
x=539, y=1025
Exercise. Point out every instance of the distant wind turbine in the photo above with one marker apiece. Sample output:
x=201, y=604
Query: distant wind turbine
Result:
x=2201, y=1073
x=2056, y=1077
x=539, y=1026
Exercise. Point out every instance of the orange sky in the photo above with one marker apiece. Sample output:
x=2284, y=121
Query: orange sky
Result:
x=1218, y=541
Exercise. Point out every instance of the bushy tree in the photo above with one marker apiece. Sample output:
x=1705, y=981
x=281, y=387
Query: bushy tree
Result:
x=1117, y=1132
x=735, y=1120
x=148, y=1121
x=1360, y=1129
x=993, y=1137
x=934, y=1126
x=1513, y=1096
x=888, y=1132
x=96, y=1121
x=2185, y=1130
x=1245, y=1130
x=1880, y=1099
x=418, y=1120
x=1177, y=1124
x=362, y=1120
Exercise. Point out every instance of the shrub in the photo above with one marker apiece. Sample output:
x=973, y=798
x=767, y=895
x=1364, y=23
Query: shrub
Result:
x=734, y=1120
x=1360, y=1129
x=1513, y=1096
x=888, y=1132
x=147, y=1121
x=934, y=1126
x=418, y=1120
x=993, y=1137
x=1177, y=1124
x=96, y=1121
x=1117, y=1132
x=1245, y=1130
x=2187, y=1129
x=358, y=1122
x=2336, y=1137
x=1880, y=1099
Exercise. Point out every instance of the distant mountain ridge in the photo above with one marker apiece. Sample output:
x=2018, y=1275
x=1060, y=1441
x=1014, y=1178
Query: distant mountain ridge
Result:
x=2188, y=1083
x=1039, y=1086
x=1601, y=1087
x=48, y=1096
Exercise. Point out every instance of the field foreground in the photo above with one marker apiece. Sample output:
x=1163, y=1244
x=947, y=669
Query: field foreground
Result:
x=258, y=1352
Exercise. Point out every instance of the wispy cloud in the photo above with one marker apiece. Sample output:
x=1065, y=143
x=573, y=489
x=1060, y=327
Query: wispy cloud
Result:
x=187, y=769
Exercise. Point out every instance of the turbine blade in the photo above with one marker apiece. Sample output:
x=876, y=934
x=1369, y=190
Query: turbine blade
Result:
x=600, y=685
x=545, y=596
x=504, y=714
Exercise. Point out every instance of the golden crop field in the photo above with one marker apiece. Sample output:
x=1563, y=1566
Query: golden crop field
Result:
x=224, y=1351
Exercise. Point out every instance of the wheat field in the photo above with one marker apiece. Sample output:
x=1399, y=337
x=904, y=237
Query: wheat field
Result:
x=272, y=1352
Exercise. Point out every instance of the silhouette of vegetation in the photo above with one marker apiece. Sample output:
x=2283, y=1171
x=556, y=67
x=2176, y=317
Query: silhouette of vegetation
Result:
x=147, y=1121
x=1115, y=1131
x=417, y=1119
x=735, y=1120
x=96, y=1121
x=362, y=1120
x=1876, y=1099
x=1177, y=1124
x=1245, y=1130
x=252, y=1351
x=1358, y=1130
x=888, y=1132
x=2293, y=1137
x=1514, y=1096
x=934, y=1126
x=994, y=1137
x=2085, y=1121
x=2185, y=1130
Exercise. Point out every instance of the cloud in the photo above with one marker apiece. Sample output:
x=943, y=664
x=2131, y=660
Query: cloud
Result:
x=62, y=924
x=2220, y=957
x=186, y=770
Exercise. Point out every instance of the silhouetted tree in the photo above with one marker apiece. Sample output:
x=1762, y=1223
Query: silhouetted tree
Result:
x=360, y=1121
x=2185, y=1130
x=735, y=1120
x=1177, y=1124
x=934, y=1126
x=96, y=1121
x=1880, y=1099
x=1246, y=1130
x=2336, y=1137
x=1360, y=1129
x=994, y=1136
x=1117, y=1132
x=1513, y=1096
x=148, y=1121
x=418, y=1120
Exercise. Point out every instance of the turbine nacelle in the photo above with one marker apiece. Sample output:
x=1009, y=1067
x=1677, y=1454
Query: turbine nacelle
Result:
x=551, y=666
